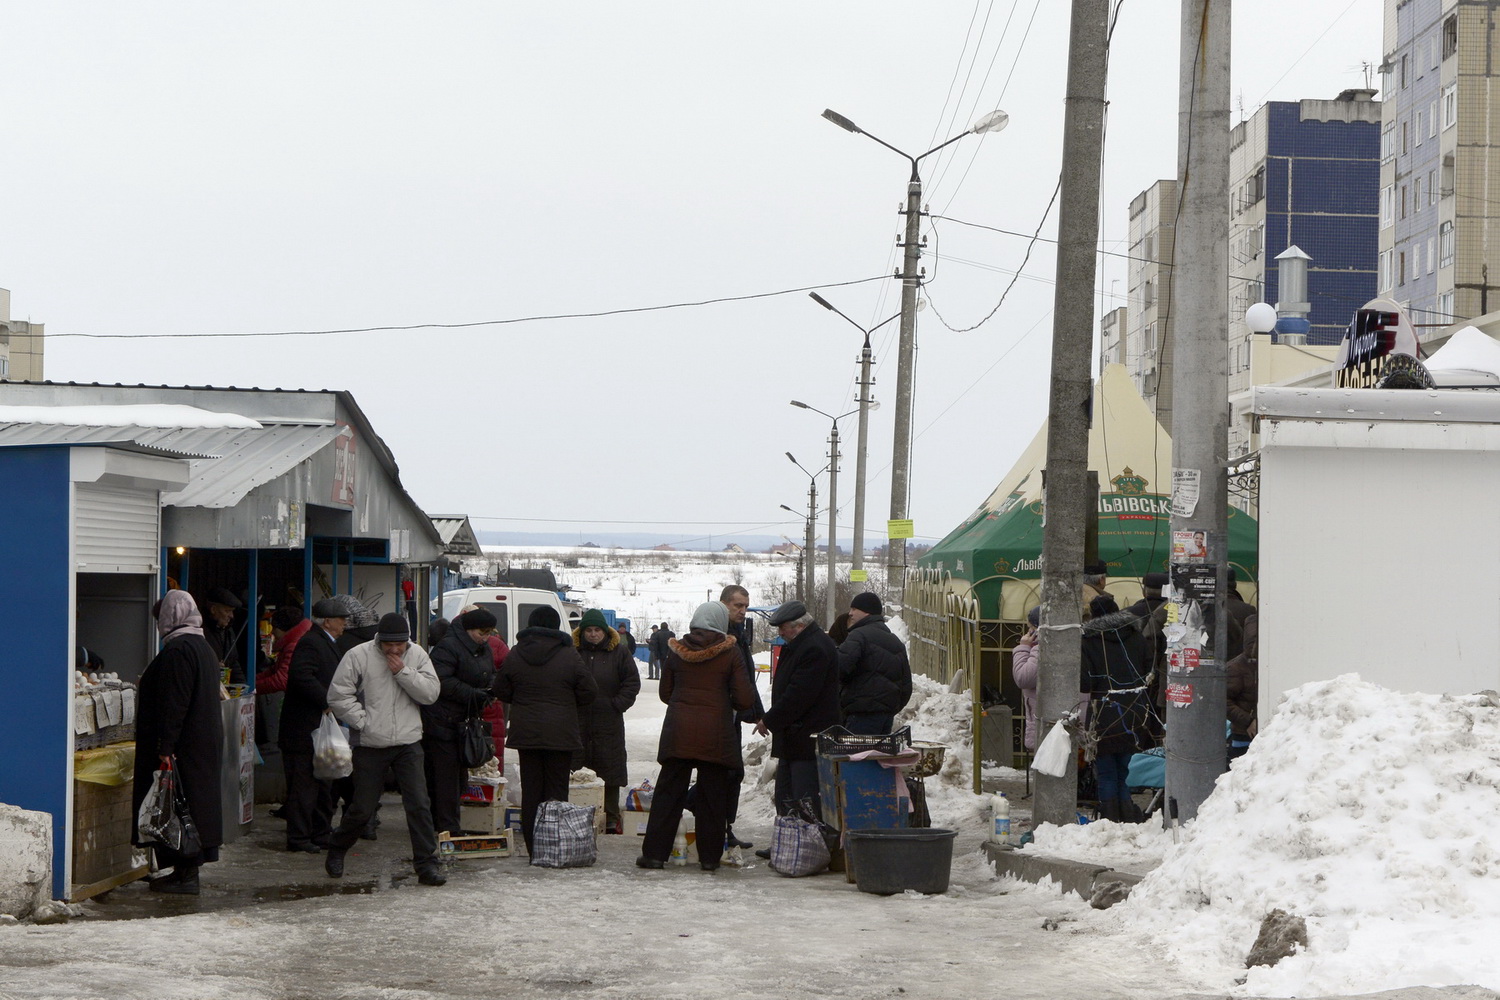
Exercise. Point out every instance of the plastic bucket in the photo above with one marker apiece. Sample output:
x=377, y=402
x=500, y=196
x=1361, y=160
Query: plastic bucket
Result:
x=886, y=862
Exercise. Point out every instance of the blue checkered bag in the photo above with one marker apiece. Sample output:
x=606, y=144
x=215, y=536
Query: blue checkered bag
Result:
x=563, y=836
x=798, y=847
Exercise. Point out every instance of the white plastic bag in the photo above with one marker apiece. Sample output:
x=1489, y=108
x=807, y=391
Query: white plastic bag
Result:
x=157, y=822
x=332, y=757
x=1052, y=756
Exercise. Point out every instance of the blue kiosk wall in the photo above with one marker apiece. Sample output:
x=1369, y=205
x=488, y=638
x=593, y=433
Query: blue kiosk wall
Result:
x=36, y=662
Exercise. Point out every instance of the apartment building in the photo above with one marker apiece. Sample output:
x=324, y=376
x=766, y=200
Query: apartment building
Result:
x=21, y=346
x=1439, y=172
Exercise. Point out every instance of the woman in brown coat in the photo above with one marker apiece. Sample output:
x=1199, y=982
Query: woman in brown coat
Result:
x=703, y=684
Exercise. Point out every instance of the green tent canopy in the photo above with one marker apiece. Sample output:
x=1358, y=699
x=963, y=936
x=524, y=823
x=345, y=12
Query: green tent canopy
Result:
x=1001, y=542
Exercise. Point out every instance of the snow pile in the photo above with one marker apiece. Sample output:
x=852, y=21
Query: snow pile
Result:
x=936, y=716
x=1129, y=847
x=125, y=415
x=1369, y=813
x=25, y=860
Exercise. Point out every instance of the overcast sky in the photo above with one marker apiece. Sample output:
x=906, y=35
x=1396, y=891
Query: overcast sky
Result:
x=188, y=168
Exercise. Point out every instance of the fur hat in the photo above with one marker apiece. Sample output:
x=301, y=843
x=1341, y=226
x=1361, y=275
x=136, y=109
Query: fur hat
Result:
x=478, y=618
x=711, y=615
x=867, y=602
x=543, y=617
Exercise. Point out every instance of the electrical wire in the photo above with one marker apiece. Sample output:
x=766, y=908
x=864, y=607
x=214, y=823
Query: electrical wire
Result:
x=475, y=323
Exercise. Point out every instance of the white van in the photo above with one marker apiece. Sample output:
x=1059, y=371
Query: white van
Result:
x=511, y=606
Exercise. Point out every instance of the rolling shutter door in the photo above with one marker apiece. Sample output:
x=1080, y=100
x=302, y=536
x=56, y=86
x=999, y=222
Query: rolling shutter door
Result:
x=117, y=529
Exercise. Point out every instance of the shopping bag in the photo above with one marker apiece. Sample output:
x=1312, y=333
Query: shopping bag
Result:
x=798, y=847
x=156, y=822
x=476, y=743
x=332, y=757
x=1052, y=756
x=563, y=836
x=638, y=799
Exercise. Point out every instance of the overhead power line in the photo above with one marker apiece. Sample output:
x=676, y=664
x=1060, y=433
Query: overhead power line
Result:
x=475, y=323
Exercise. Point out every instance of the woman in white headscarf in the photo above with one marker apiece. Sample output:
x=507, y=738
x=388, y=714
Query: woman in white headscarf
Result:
x=178, y=725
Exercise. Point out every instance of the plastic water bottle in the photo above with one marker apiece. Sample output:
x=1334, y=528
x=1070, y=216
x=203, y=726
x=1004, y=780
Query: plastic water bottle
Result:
x=679, y=845
x=999, y=819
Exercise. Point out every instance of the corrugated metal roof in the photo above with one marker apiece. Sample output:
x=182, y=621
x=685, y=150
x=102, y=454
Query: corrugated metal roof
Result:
x=457, y=538
x=247, y=459
x=228, y=462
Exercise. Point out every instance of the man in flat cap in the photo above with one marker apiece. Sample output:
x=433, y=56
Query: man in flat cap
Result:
x=378, y=691
x=1094, y=600
x=874, y=672
x=218, y=629
x=309, y=802
x=804, y=702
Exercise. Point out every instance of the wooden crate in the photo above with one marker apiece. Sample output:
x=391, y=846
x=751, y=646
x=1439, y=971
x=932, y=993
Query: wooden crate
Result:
x=103, y=856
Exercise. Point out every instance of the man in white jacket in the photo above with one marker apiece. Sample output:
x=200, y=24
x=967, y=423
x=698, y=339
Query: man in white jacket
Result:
x=377, y=692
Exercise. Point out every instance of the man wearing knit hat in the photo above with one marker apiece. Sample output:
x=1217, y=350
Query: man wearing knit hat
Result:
x=874, y=672
x=378, y=691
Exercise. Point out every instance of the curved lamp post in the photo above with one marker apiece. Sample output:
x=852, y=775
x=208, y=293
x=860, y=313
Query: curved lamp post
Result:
x=910, y=280
x=833, y=497
x=810, y=550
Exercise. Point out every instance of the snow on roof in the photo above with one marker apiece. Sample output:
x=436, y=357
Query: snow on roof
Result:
x=124, y=415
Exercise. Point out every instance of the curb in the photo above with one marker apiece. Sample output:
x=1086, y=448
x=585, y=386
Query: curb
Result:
x=1078, y=877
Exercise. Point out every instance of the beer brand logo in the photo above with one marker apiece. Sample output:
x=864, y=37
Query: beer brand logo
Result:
x=1002, y=565
x=1129, y=484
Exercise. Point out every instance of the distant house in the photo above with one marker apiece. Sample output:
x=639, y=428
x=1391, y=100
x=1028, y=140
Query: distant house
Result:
x=663, y=548
x=785, y=549
x=731, y=547
x=589, y=545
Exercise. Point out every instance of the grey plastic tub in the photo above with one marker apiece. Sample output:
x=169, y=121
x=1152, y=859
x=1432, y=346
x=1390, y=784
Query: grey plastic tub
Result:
x=886, y=862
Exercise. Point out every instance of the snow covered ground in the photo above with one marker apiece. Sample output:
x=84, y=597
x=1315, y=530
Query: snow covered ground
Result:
x=1370, y=814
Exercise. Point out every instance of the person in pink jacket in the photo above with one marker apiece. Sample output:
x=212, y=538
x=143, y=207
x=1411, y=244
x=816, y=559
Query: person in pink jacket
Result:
x=1025, y=668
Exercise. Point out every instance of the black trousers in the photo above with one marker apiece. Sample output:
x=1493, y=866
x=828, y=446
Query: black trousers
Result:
x=670, y=797
x=796, y=780
x=370, y=764
x=544, y=778
x=309, y=803
x=445, y=782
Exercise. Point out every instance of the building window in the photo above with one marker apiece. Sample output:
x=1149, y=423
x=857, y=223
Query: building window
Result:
x=4, y=367
x=1403, y=72
x=1387, y=143
x=1148, y=295
x=1445, y=245
x=1416, y=260
x=1432, y=120
x=1404, y=147
x=1403, y=201
x=1431, y=254
x=1432, y=51
x=1417, y=132
x=1450, y=35
x=1148, y=339
x=1416, y=195
x=1448, y=176
x=1450, y=106
x=1385, y=270
x=1432, y=187
x=1401, y=268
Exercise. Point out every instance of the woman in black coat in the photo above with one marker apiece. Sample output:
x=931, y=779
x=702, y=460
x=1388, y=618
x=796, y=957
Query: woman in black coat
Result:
x=466, y=676
x=601, y=723
x=1116, y=665
x=544, y=684
x=178, y=724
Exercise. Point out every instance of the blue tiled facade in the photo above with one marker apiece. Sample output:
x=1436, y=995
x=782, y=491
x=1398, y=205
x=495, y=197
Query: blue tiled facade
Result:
x=1323, y=195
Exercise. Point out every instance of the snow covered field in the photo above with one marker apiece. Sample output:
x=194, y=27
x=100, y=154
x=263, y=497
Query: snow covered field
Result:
x=1370, y=814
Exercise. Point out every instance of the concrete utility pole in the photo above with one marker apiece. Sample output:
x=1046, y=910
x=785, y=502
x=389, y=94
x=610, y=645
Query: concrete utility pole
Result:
x=1200, y=414
x=833, y=522
x=1069, y=503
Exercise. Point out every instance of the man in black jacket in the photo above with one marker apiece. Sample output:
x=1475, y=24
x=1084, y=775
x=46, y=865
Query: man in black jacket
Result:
x=218, y=628
x=659, y=640
x=804, y=702
x=309, y=801
x=874, y=671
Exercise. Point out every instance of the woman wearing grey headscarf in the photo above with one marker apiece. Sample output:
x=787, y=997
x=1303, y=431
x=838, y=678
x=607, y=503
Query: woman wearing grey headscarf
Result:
x=178, y=723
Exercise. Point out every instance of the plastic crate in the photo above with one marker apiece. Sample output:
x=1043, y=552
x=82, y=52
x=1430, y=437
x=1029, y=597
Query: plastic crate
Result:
x=838, y=741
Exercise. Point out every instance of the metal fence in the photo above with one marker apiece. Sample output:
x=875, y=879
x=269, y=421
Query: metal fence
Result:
x=945, y=637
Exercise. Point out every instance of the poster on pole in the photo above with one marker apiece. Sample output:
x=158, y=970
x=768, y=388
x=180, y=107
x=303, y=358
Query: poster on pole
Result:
x=1187, y=486
x=858, y=575
x=900, y=529
x=1179, y=695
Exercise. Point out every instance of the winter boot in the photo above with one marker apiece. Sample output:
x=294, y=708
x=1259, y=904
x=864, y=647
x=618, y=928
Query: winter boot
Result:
x=1109, y=809
x=333, y=862
x=182, y=882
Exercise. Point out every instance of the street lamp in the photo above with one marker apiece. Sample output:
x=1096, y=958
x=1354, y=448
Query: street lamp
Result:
x=801, y=555
x=812, y=516
x=865, y=403
x=910, y=280
x=833, y=496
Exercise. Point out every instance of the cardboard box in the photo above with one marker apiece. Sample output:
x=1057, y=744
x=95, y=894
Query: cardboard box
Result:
x=635, y=821
x=480, y=790
x=492, y=846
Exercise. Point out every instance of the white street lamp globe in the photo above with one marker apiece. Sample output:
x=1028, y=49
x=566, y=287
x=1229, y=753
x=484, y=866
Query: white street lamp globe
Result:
x=1261, y=318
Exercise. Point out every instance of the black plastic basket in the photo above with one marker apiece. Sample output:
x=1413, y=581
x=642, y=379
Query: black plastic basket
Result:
x=836, y=740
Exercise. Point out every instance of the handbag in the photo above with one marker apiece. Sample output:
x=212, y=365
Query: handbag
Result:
x=190, y=847
x=476, y=742
x=563, y=836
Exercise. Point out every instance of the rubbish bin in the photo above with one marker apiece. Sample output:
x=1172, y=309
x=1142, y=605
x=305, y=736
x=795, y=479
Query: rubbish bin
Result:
x=861, y=794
